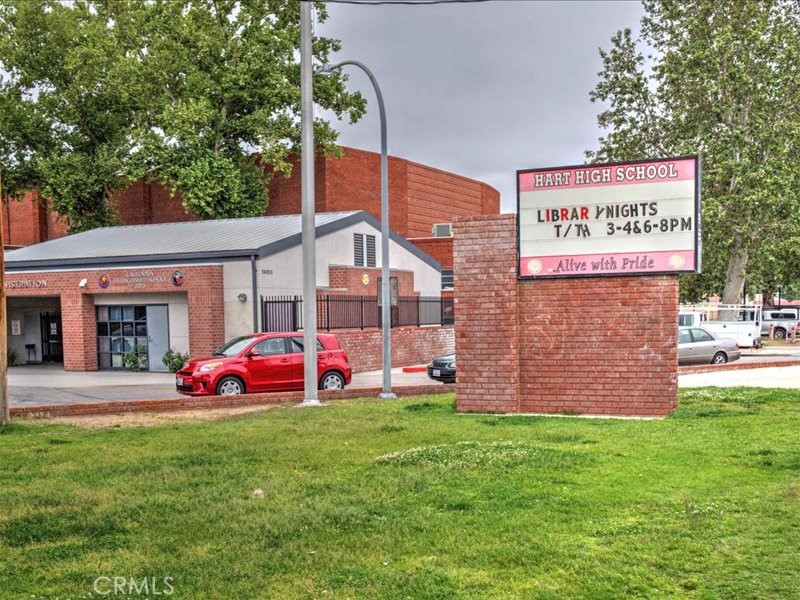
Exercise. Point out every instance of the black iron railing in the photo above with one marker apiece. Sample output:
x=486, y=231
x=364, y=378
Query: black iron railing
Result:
x=285, y=313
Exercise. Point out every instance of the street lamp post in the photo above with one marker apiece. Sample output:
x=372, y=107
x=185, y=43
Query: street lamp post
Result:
x=386, y=316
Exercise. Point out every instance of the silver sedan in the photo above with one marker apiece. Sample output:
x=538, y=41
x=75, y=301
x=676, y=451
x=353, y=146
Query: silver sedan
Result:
x=698, y=346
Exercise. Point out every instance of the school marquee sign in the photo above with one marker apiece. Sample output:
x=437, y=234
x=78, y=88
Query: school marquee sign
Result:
x=609, y=219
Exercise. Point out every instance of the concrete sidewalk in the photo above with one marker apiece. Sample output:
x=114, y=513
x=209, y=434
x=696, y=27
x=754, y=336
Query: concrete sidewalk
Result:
x=768, y=377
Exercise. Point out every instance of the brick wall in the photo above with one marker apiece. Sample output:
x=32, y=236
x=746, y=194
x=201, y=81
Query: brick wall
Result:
x=24, y=221
x=604, y=345
x=354, y=183
x=202, y=285
x=490, y=200
x=206, y=317
x=436, y=196
x=284, y=192
x=349, y=281
x=56, y=226
x=410, y=346
x=486, y=314
x=621, y=358
x=419, y=196
x=78, y=331
x=439, y=248
x=144, y=203
x=133, y=204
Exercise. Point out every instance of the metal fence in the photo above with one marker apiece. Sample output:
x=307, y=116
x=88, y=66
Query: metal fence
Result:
x=285, y=313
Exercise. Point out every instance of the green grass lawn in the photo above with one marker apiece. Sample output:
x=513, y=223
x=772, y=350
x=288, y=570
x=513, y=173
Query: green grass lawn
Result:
x=407, y=499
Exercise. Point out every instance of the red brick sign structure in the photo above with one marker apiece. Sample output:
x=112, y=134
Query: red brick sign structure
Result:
x=600, y=346
x=571, y=305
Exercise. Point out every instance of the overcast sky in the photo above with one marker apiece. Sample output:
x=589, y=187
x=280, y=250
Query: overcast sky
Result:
x=480, y=89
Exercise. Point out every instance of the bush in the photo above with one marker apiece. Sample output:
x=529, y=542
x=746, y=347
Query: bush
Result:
x=174, y=360
x=136, y=358
x=11, y=357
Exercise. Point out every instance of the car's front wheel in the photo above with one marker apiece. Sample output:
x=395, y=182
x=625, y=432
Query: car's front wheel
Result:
x=230, y=386
x=331, y=381
x=720, y=358
x=780, y=333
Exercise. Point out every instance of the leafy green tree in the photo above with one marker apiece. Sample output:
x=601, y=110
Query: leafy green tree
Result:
x=230, y=78
x=721, y=81
x=67, y=105
x=202, y=95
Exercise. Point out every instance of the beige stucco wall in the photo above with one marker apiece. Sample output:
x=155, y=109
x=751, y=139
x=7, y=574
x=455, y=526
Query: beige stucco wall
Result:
x=281, y=274
x=237, y=279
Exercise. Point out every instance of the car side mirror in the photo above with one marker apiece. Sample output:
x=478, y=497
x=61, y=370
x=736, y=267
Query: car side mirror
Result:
x=253, y=352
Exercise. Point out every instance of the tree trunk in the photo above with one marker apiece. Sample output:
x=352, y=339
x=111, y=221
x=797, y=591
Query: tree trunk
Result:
x=5, y=405
x=734, y=277
x=768, y=293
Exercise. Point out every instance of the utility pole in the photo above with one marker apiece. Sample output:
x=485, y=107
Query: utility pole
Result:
x=5, y=410
x=308, y=219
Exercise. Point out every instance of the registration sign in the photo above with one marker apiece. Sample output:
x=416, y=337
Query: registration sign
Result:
x=609, y=219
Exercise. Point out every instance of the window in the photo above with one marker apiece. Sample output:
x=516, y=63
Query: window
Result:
x=271, y=346
x=394, y=295
x=684, y=337
x=364, y=250
x=119, y=330
x=701, y=336
x=780, y=316
x=447, y=279
x=297, y=345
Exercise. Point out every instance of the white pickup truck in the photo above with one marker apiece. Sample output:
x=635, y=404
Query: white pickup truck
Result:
x=741, y=323
x=783, y=321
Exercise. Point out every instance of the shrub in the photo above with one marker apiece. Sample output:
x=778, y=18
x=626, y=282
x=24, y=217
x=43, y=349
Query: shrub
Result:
x=174, y=360
x=135, y=358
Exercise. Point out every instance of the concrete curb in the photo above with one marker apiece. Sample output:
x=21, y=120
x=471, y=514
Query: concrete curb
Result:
x=737, y=366
x=206, y=402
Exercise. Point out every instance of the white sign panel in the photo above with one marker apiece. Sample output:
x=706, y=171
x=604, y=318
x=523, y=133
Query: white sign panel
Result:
x=609, y=219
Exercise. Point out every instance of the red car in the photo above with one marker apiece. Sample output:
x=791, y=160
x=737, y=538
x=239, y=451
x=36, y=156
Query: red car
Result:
x=263, y=362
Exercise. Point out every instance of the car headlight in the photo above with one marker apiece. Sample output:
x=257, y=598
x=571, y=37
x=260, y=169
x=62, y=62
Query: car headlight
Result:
x=451, y=365
x=210, y=367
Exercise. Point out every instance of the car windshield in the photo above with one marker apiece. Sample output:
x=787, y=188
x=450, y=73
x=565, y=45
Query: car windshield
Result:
x=233, y=347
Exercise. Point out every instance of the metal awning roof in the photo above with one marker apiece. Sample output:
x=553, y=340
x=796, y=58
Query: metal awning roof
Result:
x=190, y=241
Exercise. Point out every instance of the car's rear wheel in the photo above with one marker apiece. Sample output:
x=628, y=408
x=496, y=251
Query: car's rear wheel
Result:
x=720, y=358
x=331, y=381
x=780, y=333
x=230, y=386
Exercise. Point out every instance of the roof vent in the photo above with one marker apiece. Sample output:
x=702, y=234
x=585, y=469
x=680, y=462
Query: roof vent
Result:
x=443, y=230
